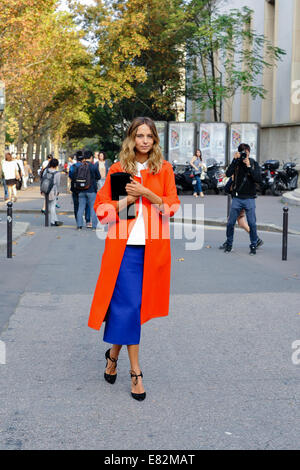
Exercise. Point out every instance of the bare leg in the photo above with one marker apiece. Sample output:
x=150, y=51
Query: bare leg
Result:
x=9, y=193
x=14, y=190
x=242, y=222
x=133, y=353
x=114, y=353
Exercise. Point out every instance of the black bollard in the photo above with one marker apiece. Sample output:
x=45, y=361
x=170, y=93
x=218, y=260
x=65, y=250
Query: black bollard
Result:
x=9, y=229
x=46, y=210
x=285, y=233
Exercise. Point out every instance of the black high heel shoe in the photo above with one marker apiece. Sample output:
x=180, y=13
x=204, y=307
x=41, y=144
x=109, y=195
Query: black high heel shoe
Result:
x=137, y=396
x=109, y=377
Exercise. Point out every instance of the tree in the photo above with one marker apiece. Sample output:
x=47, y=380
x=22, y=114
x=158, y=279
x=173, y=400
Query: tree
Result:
x=17, y=21
x=116, y=30
x=47, y=81
x=225, y=55
x=139, y=63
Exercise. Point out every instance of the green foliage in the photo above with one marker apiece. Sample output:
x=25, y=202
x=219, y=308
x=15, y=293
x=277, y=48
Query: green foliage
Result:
x=225, y=55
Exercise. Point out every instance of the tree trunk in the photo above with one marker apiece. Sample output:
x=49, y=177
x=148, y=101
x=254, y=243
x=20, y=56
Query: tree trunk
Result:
x=29, y=157
x=38, y=148
x=44, y=147
x=20, y=131
x=37, y=162
x=56, y=148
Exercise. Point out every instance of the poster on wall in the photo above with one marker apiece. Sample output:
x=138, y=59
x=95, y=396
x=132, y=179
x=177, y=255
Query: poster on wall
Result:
x=162, y=129
x=247, y=133
x=181, y=141
x=212, y=141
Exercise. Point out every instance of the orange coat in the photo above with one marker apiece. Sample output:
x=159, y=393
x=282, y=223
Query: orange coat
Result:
x=157, y=261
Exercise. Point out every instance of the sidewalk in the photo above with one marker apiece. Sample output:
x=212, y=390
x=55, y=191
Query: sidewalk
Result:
x=269, y=208
x=19, y=228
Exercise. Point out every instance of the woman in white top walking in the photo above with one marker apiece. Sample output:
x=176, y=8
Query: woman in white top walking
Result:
x=11, y=175
x=101, y=163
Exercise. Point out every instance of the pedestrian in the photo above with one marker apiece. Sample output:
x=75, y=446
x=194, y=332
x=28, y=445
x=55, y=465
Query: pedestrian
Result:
x=27, y=173
x=53, y=167
x=21, y=168
x=246, y=174
x=75, y=192
x=3, y=181
x=198, y=168
x=46, y=163
x=11, y=174
x=102, y=167
x=134, y=282
x=87, y=195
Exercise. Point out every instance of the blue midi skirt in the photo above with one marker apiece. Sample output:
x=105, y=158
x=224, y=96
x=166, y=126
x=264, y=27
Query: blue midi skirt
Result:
x=123, y=319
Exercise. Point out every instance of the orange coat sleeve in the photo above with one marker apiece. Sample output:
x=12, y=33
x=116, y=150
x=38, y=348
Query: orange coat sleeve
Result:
x=170, y=198
x=105, y=207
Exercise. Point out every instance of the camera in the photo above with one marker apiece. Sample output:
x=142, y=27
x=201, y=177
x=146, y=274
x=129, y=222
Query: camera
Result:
x=243, y=156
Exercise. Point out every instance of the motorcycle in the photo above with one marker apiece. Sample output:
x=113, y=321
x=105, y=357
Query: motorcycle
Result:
x=268, y=172
x=285, y=179
x=213, y=178
x=183, y=178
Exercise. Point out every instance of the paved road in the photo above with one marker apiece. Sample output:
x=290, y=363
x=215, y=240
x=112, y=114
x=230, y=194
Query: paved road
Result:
x=218, y=371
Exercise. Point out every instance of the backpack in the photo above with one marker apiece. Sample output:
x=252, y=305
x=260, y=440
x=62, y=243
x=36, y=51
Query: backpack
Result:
x=82, y=177
x=47, y=181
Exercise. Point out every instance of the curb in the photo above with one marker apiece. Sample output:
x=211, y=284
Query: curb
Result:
x=223, y=223
x=290, y=199
x=28, y=211
x=19, y=228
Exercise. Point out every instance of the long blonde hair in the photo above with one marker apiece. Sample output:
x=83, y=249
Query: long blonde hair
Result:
x=127, y=154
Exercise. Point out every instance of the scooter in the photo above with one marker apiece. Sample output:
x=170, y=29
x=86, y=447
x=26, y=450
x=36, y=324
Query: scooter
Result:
x=213, y=178
x=285, y=179
x=183, y=179
x=268, y=172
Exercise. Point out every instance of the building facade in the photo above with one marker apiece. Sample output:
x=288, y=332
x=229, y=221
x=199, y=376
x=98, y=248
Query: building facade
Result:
x=279, y=113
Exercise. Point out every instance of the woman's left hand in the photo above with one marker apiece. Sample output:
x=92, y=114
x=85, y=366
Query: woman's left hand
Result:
x=135, y=189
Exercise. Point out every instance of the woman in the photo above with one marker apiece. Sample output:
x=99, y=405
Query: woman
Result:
x=11, y=174
x=53, y=167
x=134, y=281
x=198, y=167
x=27, y=173
x=101, y=163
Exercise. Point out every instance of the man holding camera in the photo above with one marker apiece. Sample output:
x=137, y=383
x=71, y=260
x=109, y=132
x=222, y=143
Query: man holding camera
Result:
x=246, y=173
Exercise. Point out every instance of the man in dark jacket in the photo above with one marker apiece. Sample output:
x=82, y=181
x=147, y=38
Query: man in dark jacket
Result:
x=246, y=173
x=75, y=193
x=88, y=195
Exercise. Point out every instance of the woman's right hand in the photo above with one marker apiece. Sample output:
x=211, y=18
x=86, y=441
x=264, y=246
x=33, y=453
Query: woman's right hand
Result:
x=126, y=201
x=131, y=199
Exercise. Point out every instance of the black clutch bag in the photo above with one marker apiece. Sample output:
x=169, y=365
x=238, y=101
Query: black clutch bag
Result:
x=118, y=183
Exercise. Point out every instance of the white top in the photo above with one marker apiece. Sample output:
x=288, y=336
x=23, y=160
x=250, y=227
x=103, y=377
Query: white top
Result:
x=137, y=234
x=9, y=169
